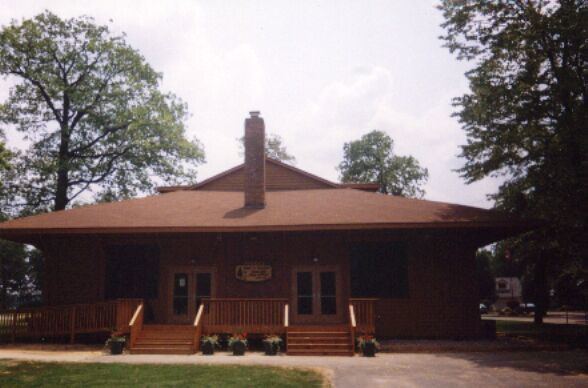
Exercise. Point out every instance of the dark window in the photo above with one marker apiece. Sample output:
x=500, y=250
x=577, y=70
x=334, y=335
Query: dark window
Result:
x=132, y=271
x=328, y=293
x=379, y=270
x=304, y=289
x=203, y=287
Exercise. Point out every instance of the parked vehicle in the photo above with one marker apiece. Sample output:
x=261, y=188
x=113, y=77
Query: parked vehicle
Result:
x=527, y=308
x=483, y=309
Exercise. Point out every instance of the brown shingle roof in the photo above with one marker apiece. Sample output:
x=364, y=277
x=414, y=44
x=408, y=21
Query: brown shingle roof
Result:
x=200, y=211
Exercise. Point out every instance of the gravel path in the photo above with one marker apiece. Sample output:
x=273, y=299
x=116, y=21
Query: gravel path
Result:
x=523, y=369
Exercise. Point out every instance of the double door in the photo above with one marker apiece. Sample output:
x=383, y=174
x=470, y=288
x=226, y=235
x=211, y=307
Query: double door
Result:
x=189, y=286
x=317, y=294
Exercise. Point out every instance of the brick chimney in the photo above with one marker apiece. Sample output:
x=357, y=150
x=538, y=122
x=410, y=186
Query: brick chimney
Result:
x=254, y=161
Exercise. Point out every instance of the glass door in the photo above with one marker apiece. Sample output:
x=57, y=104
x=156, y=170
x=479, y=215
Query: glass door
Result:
x=189, y=287
x=316, y=294
x=305, y=293
x=180, y=296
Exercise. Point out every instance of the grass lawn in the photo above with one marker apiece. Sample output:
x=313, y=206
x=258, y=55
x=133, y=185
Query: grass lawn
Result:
x=37, y=374
x=574, y=335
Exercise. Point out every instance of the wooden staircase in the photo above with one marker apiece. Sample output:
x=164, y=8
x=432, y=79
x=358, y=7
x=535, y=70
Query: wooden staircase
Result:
x=329, y=340
x=164, y=339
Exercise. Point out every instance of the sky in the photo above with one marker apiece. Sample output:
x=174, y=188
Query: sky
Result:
x=322, y=73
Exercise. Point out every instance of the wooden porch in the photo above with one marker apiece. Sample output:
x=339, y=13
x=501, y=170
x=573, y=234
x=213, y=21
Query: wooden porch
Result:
x=254, y=316
x=68, y=321
x=214, y=316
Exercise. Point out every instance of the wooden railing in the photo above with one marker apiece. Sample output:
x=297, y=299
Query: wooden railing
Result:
x=198, y=328
x=352, y=325
x=246, y=315
x=125, y=310
x=67, y=320
x=365, y=314
x=286, y=316
x=136, y=325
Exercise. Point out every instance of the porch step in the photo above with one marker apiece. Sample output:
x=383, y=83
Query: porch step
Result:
x=327, y=341
x=320, y=352
x=165, y=339
x=158, y=341
x=162, y=351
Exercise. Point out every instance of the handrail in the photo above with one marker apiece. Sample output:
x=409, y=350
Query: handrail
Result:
x=136, y=325
x=286, y=315
x=352, y=316
x=199, y=315
x=197, y=328
x=136, y=315
x=352, y=325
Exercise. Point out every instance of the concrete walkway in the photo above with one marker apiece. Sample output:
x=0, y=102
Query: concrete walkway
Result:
x=559, y=318
x=523, y=369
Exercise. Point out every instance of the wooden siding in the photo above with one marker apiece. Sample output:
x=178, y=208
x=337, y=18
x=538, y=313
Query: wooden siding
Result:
x=276, y=178
x=74, y=271
x=442, y=300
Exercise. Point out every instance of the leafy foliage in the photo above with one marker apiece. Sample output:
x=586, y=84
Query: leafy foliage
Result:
x=371, y=159
x=20, y=266
x=274, y=148
x=525, y=119
x=91, y=109
x=485, y=276
x=4, y=156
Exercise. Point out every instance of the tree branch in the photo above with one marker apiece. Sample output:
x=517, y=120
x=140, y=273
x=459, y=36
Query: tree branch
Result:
x=107, y=131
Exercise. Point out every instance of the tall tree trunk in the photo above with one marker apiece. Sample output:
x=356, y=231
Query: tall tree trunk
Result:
x=61, y=199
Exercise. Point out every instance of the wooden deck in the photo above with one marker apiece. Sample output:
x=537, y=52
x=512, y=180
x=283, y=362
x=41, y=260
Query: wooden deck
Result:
x=68, y=320
x=214, y=316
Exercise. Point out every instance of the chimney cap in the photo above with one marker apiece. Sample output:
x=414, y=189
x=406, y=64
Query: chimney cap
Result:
x=254, y=113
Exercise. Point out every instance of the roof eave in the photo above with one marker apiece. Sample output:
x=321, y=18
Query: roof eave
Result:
x=507, y=227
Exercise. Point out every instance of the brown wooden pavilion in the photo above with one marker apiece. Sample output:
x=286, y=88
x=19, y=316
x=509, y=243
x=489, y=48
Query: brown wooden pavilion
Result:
x=261, y=248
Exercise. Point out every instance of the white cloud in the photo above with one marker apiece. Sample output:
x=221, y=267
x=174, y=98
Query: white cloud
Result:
x=322, y=74
x=366, y=100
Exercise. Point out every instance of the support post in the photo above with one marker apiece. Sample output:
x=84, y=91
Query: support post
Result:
x=72, y=325
x=14, y=317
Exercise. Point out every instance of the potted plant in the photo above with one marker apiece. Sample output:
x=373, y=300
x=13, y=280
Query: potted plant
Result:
x=208, y=343
x=116, y=344
x=368, y=345
x=238, y=343
x=271, y=344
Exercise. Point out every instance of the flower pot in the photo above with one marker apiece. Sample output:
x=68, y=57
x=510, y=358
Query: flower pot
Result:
x=238, y=349
x=207, y=348
x=271, y=348
x=369, y=349
x=116, y=347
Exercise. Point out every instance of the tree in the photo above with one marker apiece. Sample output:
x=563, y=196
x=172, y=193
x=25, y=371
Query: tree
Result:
x=371, y=159
x=18, y=264
x=91, y=109
x=525, y=119
x=4, y=155
x=274, y=148
x=485, y=277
